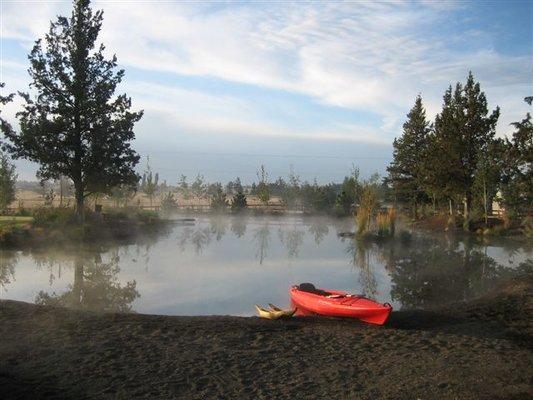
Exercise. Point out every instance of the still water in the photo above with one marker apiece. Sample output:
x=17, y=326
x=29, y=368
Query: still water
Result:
x=223, y=265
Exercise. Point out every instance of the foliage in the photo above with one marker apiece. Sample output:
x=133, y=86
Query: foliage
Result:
x=122, y=194
x=149, y=182
x=234, y=187
x=291, y=193
x=517, y=169
x=318, y=198
x=218, y=198
x=74, y=125
x=406, y=170
x=169, y=202
x=239, y=202
x=8, y=179
x=46, y=217
x=350, y=193
x=198, y=187
x=5, y=127
x=366, y=209
x=263, y=191
x=183, y=187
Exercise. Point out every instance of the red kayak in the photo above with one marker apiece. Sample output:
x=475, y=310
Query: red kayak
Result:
x=335, y=303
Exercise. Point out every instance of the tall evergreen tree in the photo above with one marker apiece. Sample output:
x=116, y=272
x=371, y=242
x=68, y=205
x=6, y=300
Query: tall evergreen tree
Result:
x=75, y=125
x=477, y=129
x=464, y=130
x=517, y=168
x=405, y=171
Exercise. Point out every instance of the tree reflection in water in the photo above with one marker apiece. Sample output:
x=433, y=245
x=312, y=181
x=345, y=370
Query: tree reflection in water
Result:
x=292, y=241
x=319, y=230
x=218, y=225
x=262, y=239
x=361, y=253
x=238, y=226
x=96, y=287
x=8, y=260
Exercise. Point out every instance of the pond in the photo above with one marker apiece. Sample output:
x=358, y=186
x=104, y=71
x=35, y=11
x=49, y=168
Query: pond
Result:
x=224, y=265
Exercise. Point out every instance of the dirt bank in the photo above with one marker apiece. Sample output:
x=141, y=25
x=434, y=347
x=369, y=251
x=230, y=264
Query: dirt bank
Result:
x=482, y=351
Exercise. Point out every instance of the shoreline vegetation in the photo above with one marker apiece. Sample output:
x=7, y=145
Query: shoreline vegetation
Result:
x=58, y=226
x=475, y=350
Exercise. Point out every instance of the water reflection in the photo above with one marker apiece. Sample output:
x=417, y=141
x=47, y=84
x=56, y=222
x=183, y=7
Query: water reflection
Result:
x=95, y=287
x=262, y=240
x=211, y=267
x=8, y=261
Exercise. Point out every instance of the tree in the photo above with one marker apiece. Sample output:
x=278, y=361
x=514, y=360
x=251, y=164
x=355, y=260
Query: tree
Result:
x=291, y=194
x=218, y=198
x=183, y=187
x=405, y=171
x=477, y=135
x=169, y=202
x=5, y=126
x=198, y=187
x=238, y=203
x=8, y=179
x=442, y=161
x=350, y=193
x=263, y=191
x=122, y=194
x=75, y=125
x=464, y=130
x=487, y=177
x=149, y=182
x=517, y=168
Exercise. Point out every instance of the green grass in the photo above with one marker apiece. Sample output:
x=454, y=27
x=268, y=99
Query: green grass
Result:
x=14, y=221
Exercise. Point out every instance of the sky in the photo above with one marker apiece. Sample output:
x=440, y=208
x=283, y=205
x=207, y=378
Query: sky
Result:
x=315, y=87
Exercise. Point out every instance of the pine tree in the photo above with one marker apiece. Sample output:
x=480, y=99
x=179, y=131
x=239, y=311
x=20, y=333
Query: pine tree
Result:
x=75, y=125
x=238, y=203
x=405, y=171
x=477, y=131
x=517, y=168
x=464, y=130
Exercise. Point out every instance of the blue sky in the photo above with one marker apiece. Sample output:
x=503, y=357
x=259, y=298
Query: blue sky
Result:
x=227, y=86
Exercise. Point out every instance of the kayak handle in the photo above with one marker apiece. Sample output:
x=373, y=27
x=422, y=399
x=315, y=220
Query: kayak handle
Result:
x=387, y=305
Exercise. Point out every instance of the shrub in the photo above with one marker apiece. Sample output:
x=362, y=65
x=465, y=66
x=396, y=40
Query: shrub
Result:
x=53, y=217
x=366, y=209
x=169, y=202
x=239, y=202
x=147, y=217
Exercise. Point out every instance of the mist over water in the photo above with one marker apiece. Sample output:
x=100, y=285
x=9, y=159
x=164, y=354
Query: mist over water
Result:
x=225, y=264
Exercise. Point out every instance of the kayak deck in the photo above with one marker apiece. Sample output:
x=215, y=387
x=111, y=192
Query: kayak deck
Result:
x=336, y=303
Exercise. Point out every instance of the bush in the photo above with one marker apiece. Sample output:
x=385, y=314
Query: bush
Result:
x=53, y=217
x=169, y=202
x=239, y=202
x=366, y=209
x=146, y=216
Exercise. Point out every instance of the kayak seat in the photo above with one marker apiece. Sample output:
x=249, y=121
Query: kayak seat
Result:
x=310, y=288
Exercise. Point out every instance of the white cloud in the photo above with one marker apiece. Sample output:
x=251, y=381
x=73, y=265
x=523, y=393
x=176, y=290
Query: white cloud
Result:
x=367, y=56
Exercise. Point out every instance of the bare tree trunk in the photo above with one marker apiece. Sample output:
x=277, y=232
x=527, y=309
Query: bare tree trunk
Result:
x=80, y=209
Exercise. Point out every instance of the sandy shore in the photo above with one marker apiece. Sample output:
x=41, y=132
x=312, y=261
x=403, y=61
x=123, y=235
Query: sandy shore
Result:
x=481, y=350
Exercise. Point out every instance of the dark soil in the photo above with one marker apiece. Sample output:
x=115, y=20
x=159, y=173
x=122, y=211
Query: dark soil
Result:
x=479, y=350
